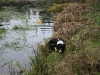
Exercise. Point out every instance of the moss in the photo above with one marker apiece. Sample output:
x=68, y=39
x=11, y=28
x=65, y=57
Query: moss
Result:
x=57, y=8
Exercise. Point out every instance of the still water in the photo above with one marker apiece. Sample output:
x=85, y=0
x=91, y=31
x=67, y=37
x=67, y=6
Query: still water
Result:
x=16, y=46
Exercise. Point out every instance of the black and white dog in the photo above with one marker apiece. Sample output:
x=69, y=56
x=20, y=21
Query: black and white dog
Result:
x=56, y=44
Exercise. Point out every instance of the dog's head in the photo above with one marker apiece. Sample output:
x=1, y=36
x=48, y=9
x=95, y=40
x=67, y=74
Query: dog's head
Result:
x=56, y=44
x=60, y=47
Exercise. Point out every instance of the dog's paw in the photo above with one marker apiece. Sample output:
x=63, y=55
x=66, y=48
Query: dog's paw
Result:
x=60, y=51
x=55, y=49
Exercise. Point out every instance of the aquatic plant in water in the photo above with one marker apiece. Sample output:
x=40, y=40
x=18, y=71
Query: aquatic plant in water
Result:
x=21, y=28
x=2, y=30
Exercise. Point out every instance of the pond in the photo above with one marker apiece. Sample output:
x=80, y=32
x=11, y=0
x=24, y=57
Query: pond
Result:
x=24, y=30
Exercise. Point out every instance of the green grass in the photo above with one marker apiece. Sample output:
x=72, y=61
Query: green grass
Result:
x=24, y=28
x=6, y=14
x=57, y=8
x=21, y=28
x=44, y=65
x=95, y=13
x=13, y=45
x=92, y=45
x=2, y=30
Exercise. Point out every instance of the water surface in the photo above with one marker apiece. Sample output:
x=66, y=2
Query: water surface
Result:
x=17, y=45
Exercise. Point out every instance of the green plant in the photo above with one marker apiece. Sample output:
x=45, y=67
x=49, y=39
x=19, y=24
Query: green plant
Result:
x=94, y=14
x=57, y=8
x=44, y=65
x=2, y=30
x=13, y=45
x=21, y=28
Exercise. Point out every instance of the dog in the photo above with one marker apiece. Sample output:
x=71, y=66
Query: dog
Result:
x=56, y=44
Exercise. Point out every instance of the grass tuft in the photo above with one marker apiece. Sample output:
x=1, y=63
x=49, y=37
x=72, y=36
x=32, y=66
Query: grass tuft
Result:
x=21, y=28
x=2, y=30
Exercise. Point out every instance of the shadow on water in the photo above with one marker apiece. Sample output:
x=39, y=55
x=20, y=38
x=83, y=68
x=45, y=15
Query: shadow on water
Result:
x=17, y=45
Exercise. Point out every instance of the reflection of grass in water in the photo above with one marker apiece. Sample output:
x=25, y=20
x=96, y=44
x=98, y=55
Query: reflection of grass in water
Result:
x=13, y=45
x=9, y=12
x=2, y=30
x=0, y=36
x=5, y=14
x=23, y=28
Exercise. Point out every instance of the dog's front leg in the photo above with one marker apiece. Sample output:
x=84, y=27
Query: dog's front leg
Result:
x=55, y=49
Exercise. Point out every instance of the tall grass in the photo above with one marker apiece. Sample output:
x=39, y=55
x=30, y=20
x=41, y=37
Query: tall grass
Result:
x=21, y=28
x=44, y=64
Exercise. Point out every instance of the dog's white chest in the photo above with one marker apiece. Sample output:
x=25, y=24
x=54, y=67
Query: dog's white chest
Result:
x=60, y=42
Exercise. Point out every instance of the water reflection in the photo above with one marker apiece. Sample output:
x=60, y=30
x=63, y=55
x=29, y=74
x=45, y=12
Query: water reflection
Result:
x=17, y=46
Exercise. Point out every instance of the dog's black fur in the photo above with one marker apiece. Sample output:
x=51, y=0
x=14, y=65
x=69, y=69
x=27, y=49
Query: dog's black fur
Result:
x=52, y=44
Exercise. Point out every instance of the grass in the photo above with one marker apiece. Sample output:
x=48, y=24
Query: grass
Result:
x=95, y=13
x=2, y=30
x=21, y=28
x=57, y=8
x=24, y=28
x=92, y=45
x=6, y=14
x=42, y=65
x=13, y=45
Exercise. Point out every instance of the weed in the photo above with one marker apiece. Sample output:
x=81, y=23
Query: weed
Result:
x=13, y=45
x=42, y=65
x=2, y=30
x=57, y=8
x=21, y=28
